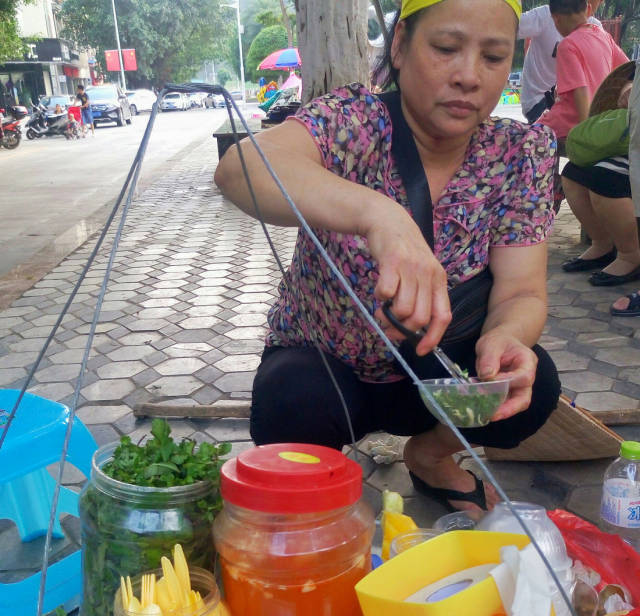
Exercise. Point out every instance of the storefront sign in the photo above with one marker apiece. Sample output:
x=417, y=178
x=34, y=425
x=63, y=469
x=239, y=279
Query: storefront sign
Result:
x=52, y=50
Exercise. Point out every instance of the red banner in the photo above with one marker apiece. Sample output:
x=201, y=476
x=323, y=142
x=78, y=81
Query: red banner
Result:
x=113, y=60
x=129, y=59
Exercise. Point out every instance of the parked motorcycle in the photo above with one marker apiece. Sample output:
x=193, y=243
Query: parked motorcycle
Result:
x=10, y=131
x=41, y=124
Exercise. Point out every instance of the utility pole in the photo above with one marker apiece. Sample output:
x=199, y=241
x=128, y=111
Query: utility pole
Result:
x=244, y=93
x=236, y=6
x=115, y=21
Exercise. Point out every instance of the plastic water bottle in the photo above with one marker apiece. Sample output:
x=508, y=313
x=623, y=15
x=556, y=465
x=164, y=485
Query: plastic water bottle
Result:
x=620, y=509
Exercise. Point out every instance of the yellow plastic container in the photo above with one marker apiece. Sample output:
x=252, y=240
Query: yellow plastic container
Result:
x=384, y=590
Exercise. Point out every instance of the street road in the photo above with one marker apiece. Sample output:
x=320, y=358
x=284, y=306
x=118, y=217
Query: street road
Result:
x=54, y=192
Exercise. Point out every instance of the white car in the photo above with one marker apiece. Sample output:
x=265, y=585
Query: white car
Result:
x=141, y=100
x=214, y=100
x=175, y=101
x=515, y=79
x=196, y=99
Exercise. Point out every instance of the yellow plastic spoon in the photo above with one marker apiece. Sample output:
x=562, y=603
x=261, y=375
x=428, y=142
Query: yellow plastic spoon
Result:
x=173, y=584
x=181, y=568
x=135, y=606
x=163, y=598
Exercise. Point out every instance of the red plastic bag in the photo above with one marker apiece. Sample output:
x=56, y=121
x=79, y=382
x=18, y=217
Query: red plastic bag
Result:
x=615, y=561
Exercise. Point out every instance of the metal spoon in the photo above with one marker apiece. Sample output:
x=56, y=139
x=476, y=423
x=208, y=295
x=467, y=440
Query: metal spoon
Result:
x=585, y=599
x=414, y=338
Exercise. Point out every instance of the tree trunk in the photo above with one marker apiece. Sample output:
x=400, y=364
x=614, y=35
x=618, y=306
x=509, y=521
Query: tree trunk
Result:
x=332, y=38
x=383, y=24
x=287, y=23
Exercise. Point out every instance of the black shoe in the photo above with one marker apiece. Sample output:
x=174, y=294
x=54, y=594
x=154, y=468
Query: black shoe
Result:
x=586, y=265
x=602, y=279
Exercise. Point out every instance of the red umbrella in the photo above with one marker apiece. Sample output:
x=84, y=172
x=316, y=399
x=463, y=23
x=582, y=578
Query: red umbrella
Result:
x=282, y=59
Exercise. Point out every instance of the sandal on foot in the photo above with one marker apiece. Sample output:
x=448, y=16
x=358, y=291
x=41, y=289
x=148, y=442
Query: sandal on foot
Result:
x=443, y=495
x=632, y=310
x=584, y=265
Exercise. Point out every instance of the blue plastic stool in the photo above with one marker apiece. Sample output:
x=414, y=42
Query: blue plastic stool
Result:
x=34, y=441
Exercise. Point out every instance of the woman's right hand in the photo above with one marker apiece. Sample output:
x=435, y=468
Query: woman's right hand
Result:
x=410, y=274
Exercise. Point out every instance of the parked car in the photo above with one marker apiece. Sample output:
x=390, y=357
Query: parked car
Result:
x=141, y=100
x=50, y=102
x=175, y=101
x=515, y=79
x=214, y=100
x=196, y=99
x=109, y=104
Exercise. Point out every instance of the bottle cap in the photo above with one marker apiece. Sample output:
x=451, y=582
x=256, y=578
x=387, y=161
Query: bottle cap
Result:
x=291, y=478
x=630, y=450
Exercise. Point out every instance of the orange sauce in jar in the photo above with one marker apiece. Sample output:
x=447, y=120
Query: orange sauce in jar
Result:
x=298, y=558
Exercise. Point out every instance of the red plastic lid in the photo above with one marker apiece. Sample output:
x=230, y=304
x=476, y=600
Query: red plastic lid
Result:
x=291, y=478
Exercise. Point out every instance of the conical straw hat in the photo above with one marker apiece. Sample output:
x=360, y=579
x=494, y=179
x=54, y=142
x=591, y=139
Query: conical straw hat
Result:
x=570, y=434
x=606, y=97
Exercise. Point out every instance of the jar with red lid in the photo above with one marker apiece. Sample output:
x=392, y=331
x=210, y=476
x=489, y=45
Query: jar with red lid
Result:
x=294, y=536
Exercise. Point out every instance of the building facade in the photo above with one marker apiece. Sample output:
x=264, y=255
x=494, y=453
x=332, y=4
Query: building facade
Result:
x=51, y=65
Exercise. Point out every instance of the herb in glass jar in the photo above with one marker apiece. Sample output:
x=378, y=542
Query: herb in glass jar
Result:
x=140, y=502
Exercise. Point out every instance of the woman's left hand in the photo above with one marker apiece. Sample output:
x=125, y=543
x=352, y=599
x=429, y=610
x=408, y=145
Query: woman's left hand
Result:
x=501, y=356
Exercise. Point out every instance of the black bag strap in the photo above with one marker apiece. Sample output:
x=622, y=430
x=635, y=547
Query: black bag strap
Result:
x=407, y=159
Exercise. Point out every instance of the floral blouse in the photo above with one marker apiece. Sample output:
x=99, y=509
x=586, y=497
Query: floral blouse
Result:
x=502, y=195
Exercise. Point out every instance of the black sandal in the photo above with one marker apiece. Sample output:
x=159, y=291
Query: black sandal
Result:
x=632, y=310
x=443, y=495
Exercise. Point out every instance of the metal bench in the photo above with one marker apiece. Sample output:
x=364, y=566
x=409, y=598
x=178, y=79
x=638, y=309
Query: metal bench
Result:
x=224, y=134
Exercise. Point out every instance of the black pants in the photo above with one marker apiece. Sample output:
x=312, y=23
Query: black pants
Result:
x=546, y=102
x=294, y=400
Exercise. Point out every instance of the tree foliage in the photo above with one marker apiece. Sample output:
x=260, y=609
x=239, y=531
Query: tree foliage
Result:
x=268, y=40
x=11, y=45
x=223, y=77
x=629, y=10
x=255, y=16
x=172, y=38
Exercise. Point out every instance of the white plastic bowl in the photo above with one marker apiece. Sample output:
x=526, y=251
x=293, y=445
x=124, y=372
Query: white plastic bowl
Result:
x=404, y=541
x=545, y=532
x=458, y=520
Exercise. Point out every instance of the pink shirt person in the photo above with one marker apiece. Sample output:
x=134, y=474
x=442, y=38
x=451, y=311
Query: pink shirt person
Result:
x=584, y=59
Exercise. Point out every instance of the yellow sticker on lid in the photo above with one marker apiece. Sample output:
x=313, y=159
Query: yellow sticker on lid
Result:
x=298, y=456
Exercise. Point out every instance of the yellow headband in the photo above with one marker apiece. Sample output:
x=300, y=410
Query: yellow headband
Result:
x=409, y=7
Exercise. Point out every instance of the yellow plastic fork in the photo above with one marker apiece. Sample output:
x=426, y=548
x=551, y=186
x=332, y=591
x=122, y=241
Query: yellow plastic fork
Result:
x=148, y=593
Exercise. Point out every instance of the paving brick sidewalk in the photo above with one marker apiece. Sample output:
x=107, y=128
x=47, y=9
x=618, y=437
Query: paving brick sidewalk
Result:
x=184, y=320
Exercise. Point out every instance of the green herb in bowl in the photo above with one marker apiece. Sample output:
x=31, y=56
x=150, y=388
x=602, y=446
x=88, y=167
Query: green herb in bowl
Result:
x=468, y=405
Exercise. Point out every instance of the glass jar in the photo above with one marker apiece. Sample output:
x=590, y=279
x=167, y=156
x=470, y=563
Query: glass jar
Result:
x=126, y=529
x=201, y=581
x=294, y=536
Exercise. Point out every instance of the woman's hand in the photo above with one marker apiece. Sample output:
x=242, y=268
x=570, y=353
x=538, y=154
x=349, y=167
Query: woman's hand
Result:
x=502, y=356
x=410, y=275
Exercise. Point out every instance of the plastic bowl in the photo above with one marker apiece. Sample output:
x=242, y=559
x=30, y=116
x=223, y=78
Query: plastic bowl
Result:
x=458, y=520
x=544, y=531
x=468, y=405
x=404, y=541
